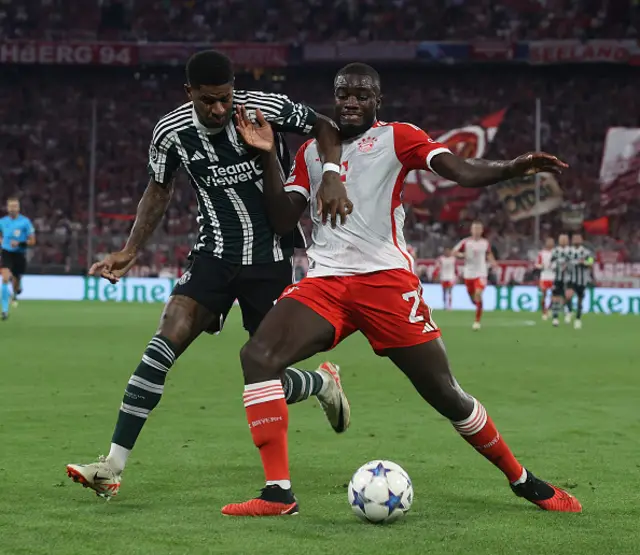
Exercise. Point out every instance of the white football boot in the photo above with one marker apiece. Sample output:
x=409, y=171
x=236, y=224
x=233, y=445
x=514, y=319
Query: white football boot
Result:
x=99, y=476
x=577, y=325
x=332, y=398
x=476, y=326
x=567, y=318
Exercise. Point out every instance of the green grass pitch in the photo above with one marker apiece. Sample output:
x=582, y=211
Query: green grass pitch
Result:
x=565, y=400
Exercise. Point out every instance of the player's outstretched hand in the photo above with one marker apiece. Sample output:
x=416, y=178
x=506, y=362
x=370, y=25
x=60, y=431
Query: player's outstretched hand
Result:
x=259, y=134
x=536, y=162
x=113, y=266
x=332, y=199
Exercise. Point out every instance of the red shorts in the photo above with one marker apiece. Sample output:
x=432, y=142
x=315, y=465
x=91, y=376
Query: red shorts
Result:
x=546, y=284
x=386, y=306
x=475, y=285
x=447, y=284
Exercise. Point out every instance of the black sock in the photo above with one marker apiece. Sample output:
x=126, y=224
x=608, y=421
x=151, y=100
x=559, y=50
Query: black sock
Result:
x=569, y=305
x=555, y=309
x=579, y=309
x=144, y=390
x=299, y=385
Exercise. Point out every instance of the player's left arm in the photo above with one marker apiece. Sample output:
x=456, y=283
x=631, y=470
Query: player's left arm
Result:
x=416, y=150
x=588, y=258
x=491, y=259
x=287, y=116
x=31, y=234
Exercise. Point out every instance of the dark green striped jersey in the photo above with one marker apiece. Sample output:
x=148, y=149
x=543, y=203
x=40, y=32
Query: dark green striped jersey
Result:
x=560, y=263
x=580, y=263
x=227, y=176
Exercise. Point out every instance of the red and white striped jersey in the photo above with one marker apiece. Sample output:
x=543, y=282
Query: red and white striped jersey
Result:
x=447, y=268
x=475, y=256
x=374, y=166
x=544, y=260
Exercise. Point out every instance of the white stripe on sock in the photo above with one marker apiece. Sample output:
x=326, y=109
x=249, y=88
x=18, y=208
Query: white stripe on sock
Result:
x=154, y=364
x=146, y=385
x=135, y=411
x=474, y=423
x=163, y=348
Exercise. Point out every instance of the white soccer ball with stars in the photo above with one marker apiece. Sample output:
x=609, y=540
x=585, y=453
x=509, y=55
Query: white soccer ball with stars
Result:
x=380, y=492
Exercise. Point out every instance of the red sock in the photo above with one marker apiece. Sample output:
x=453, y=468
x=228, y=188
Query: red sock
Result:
x=478, y=310
x=479, y=430
x=268, y=418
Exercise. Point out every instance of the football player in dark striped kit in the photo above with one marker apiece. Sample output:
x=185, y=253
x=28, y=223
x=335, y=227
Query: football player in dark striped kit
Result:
x=560, y=265
x=237, y=255
x=579, y=271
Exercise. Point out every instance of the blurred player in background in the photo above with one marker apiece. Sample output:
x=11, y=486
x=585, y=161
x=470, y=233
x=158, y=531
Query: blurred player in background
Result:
x=361, y=279
x=547, y=275
x=446, y=272
x=18, y=234
x=560, y=267
x=238, y=253
x=476, y=252
x=579, y=270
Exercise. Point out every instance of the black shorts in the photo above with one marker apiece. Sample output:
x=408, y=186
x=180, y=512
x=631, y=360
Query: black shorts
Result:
x=216, y=284
x=577, y=289
x=558, y=288
x=16, y=262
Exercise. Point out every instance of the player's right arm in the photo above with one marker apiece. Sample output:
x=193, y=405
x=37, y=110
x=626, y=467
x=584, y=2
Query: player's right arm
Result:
x=458, y=250
x=164, y=161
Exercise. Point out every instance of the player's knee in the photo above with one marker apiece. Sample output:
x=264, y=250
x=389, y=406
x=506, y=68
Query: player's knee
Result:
x=260, y=362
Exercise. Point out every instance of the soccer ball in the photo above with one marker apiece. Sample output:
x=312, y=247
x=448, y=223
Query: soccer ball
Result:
x=380, y=492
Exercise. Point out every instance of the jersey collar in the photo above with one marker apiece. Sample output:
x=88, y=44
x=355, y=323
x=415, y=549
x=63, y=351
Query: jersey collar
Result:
x=200, y=127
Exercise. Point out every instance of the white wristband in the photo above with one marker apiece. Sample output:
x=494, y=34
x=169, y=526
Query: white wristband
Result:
x=329, y=167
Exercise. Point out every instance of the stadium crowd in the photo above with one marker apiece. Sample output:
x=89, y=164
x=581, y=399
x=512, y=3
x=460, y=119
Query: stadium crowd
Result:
x=295, y=21
x=45, y=127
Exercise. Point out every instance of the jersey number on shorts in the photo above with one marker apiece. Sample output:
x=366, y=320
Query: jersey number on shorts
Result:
x=414, y=317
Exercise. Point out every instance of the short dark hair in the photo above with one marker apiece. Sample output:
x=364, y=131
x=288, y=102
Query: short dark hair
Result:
x=358, y=68
x=209, y=67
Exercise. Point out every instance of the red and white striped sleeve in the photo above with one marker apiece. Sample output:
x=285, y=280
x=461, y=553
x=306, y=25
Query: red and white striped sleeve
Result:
x=414, y=148
x=298, y=181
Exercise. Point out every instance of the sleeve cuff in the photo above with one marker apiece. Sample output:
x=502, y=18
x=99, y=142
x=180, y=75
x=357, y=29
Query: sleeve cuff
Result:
x=435, y=153
x=297, y=189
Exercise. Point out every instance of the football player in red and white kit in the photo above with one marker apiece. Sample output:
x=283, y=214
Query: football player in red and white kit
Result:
x=476, y=252
x=547, y=275
x=360, y=279
x=446, y=272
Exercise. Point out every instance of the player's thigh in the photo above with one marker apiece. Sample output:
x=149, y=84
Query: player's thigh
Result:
x=558, y=290
x=389, y=310
x=19, y=267
x=309, y=318
x=470, y=284
x=257, y=289
x=199, y=301
x=427, y=367
x=6, y=264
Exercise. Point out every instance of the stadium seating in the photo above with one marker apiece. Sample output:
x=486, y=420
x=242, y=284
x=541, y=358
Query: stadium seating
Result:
x=314, y=20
